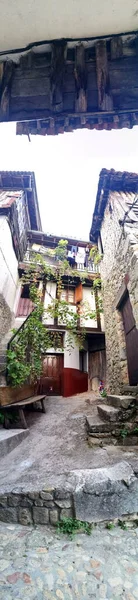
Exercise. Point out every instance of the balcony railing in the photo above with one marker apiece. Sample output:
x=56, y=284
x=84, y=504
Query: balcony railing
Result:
x=51, y=260
x=92, y=268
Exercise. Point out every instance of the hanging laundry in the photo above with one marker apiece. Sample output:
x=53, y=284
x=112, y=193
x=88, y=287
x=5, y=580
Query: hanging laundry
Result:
x=71, y=258
x=86, y=256
x=80, y=256
x=74, y=250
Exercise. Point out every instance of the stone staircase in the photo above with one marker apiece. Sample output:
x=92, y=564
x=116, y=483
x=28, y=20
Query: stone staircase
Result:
x=116, y=422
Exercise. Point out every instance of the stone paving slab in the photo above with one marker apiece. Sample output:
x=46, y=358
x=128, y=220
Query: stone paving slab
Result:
x=10, y=439
x=37, y=564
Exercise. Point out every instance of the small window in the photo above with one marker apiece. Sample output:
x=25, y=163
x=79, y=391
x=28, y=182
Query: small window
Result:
x=83, y=361
x=25, y=305
x=25, y=291
x=68, y=295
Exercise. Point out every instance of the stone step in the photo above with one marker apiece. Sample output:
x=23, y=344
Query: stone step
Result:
x=108, y=413
x=96, y=442
x=95, y=426
x=11, y=438
x=120, y=401
x=131, y=389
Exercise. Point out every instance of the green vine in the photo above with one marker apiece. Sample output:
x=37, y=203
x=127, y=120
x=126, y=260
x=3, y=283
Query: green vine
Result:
x=24, y=357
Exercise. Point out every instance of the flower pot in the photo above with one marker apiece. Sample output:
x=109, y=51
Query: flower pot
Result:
x=9, y=395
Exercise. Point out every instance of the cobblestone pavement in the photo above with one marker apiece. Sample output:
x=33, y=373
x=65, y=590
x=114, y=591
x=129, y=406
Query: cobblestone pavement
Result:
x=38, y=564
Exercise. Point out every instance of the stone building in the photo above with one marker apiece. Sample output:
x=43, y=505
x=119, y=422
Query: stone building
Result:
x=65, y=372
x=115, y=230
x=69, y=370
x=19, y=212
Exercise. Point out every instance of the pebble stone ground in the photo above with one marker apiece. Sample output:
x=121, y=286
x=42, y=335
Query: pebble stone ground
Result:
x=38, y=564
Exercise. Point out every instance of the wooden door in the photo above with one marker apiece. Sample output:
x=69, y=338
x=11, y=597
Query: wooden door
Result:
x=51, y=378
x=131, y=335
x=97, y=368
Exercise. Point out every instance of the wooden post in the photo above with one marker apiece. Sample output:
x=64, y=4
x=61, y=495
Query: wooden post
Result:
x=22, y=417
x=57, y=75
x=5, y=89
x=116, y=48
x=105, y=101
x=80, y=79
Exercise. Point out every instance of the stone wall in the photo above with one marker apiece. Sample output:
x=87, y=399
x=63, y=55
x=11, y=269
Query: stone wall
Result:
x=91, y=495
x=119, y=265
x=47, y=506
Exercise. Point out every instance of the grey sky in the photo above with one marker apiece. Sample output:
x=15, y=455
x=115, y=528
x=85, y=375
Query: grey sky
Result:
x=67, y=170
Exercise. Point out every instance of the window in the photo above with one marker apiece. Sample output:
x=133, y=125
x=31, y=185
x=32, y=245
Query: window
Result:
x=68, y=295
x=25, y=291
x=25, y=305
x=83, y=361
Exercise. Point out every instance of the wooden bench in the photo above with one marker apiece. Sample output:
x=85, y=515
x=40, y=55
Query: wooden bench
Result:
x=19, y=406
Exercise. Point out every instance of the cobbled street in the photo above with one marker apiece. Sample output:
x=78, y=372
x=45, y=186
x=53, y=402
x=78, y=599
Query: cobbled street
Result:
x=40, y=563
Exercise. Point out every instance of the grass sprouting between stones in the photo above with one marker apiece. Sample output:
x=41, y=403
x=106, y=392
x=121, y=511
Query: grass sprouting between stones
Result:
x=71, y=526
x=122, y=524
x=109, y=525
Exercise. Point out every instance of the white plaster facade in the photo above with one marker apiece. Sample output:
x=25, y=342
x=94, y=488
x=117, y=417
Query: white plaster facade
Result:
x=71, y=355
x=8, y=278
x=89, y=302
x=50, y=294
x=23, y=22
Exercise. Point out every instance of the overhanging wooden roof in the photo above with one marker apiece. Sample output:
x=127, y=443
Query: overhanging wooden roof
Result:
x=23, y=180
x=115, y=181
x=51, y=240
x=72, y=84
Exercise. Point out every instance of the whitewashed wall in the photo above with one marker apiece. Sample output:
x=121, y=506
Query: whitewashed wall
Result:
x=49, y=294
x=71, y=355
x=100, y=296
x=8, y=264
x=89, y=298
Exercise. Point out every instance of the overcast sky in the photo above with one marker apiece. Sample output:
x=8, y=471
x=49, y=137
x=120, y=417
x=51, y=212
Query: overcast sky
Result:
x=67, y=170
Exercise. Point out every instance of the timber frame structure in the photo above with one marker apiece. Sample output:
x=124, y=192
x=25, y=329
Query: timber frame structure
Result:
x=69, y=84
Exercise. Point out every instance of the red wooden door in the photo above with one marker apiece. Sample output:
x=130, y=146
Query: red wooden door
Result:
x=51, y=378
x=131, y=335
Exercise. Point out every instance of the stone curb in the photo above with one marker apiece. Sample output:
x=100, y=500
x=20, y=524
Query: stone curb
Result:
x=91, y=495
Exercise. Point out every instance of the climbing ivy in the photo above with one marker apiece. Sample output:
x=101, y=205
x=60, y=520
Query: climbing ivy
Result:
x=24, y=357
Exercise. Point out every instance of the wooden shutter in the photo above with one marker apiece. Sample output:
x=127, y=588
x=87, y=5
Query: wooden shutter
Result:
x=25, y=307
x=78, y=293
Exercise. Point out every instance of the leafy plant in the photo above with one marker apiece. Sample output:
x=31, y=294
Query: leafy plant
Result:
x=61, y=250
x=95, y=255
x=122, y=524
x=12, y=417
x=124, y=432
x=103, y=393
x=24, y=357
x=109, y=525
x=72, y=526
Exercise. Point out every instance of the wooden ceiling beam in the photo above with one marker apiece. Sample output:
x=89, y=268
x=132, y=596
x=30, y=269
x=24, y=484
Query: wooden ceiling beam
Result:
x=86, y=85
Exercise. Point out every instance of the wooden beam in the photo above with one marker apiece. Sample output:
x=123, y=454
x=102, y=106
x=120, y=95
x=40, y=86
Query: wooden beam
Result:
x=57, y=75
x=80, y=79
x=116, y=48
x=105, y=101
x=6, y=89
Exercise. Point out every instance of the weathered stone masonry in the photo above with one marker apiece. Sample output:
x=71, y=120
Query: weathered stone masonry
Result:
x=119, y=266
x=91, y=495
x=46, y=506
